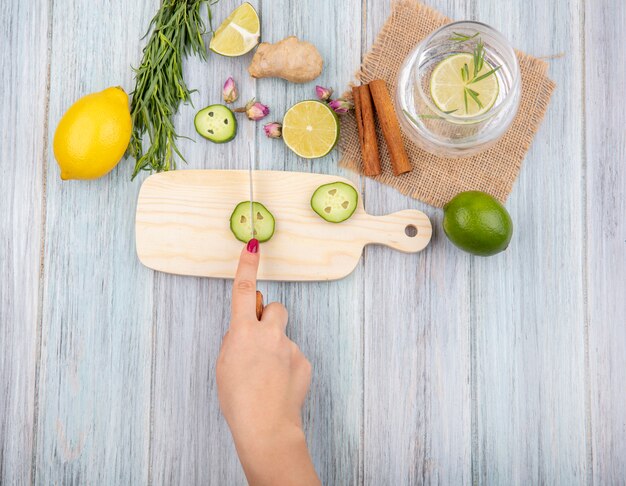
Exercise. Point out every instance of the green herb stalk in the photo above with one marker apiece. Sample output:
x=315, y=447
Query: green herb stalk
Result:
x=479, y=61
x=176, y=32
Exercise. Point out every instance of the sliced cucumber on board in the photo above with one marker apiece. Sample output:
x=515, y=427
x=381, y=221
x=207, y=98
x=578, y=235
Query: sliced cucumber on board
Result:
x=216, y=123
x=335, y=202
x=264, y=223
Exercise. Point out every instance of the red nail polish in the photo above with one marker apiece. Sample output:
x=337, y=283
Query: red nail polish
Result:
x=253, y=245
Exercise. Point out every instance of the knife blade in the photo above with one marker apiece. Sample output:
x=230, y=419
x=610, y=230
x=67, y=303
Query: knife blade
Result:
x=259, y=295
x=250, y=169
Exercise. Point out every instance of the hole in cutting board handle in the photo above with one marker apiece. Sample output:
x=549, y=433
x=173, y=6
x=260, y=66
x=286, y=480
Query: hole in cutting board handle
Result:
x=410, y=231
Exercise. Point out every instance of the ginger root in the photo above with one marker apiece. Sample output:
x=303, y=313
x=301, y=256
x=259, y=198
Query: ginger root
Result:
x=291, y=59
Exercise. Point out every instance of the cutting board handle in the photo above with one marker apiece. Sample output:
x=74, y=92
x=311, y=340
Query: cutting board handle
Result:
x=408, y=231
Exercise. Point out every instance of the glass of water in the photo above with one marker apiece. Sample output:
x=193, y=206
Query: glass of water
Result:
x=459, y=90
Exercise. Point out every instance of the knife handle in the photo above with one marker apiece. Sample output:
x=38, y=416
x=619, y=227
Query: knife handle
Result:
x=259, y=305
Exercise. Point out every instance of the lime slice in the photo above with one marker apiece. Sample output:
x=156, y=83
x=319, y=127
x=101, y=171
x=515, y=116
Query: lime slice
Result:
x=448, y=86
x=310, y=129
x=238, y=34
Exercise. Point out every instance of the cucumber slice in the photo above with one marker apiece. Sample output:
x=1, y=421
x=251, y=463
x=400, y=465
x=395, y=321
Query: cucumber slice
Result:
x=335, y=202
x=216, y=123
x=263, y=222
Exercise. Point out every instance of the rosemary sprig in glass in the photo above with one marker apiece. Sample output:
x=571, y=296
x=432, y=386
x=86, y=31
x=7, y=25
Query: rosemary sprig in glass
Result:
x=462, y=37
x=426, y=117
x=176, y=32
x=478, y=58
x=478, y=62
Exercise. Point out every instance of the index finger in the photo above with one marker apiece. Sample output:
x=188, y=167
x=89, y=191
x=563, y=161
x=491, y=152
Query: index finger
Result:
x=244, y=286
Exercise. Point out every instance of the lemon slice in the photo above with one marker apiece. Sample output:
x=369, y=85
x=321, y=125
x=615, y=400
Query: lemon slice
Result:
x=310, y=129
x=448, y=86
x=239, y=33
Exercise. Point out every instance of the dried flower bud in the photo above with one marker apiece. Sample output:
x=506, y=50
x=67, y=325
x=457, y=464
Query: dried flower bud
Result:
x=323, y=94
x=273, y=130
x=341, y=106
x=229, y=92
x=255, y=110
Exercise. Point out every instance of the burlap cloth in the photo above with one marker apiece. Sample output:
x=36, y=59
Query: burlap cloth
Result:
x=436, y=180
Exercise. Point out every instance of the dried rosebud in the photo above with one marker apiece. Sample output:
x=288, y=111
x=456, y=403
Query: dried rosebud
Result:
x=323, y=94
x=254, y=110
x=273, y=130
x=229, y=92
x=341, y=106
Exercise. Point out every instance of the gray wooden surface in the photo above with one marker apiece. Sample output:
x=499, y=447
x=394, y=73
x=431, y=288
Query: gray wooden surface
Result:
x=430, y=368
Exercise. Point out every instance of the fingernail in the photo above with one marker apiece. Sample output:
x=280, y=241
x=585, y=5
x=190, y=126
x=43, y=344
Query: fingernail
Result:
x=253, y=245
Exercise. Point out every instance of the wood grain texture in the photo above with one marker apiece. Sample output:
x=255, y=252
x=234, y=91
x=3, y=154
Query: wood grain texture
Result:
x=529, y=405
x=23, y=75
x=416, y=345
x=434, y=367
x=183, y=226
x=326, y=318
x=94, y=383
x=605, y=256
x=190, y=441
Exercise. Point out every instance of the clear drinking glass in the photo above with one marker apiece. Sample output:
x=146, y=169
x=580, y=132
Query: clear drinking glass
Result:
x=455, y=132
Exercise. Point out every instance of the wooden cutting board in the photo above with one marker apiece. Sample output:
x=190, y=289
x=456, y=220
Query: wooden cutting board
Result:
x=182, y=226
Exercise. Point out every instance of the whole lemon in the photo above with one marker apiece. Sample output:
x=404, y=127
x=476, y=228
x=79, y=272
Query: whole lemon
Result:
x=93, y=134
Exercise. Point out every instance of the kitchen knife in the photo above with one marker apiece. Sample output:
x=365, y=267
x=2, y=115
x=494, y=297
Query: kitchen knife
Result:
x=259, y=295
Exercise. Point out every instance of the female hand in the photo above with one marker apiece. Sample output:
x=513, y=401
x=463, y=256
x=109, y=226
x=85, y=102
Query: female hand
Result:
x=262, y=380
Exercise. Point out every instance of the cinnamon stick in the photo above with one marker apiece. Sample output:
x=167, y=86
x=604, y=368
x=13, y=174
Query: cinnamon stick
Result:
x=364, y=112
x=390, y=126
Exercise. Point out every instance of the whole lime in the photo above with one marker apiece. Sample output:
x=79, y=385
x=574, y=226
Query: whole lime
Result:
x=477, y=223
